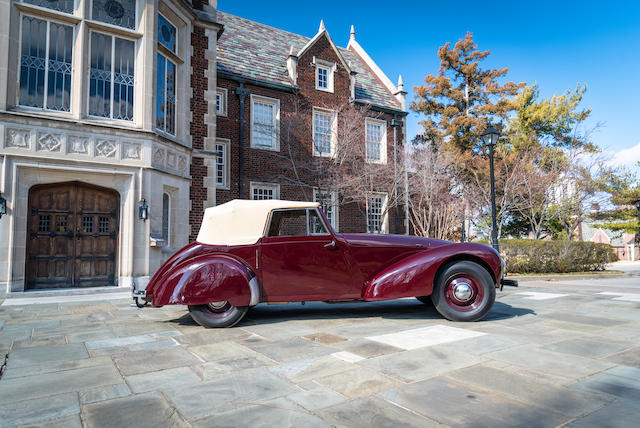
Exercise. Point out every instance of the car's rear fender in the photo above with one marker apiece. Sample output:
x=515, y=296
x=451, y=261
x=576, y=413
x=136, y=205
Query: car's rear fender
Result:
x=211, y=277
x=414, y=275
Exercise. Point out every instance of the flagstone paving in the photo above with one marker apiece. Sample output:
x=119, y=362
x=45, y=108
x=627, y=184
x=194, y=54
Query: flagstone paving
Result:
x=564, y=353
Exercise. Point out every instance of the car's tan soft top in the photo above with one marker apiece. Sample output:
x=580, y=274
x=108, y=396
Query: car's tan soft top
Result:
x=241, y=222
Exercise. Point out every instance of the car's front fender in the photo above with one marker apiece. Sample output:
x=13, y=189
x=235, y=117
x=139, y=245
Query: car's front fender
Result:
x=207, y=278
x=415, y=274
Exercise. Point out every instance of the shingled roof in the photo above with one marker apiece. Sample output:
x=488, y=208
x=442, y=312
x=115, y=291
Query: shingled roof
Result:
x=259, y=52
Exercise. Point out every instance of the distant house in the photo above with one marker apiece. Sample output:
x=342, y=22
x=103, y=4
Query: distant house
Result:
x=623, y=243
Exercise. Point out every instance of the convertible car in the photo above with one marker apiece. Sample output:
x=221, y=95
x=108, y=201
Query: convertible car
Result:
x=250, y=252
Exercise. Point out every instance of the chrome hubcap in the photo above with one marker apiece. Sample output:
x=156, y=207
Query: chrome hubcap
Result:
x=217, y=305
x=463, y=291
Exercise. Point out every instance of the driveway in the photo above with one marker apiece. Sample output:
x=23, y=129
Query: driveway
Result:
x=549, y=354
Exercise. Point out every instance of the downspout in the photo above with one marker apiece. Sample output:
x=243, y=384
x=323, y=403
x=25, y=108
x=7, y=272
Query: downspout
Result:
x=395, y=171
x=241, y=92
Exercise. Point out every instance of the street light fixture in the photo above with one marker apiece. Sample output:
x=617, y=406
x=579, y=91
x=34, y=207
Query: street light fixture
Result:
x=490, y=138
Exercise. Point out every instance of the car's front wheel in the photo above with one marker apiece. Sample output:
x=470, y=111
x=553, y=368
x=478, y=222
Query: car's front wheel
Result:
x=464, y=291
x=217, y=314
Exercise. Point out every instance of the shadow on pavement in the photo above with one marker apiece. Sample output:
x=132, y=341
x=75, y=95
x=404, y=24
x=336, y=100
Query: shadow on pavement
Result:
x=393, y=309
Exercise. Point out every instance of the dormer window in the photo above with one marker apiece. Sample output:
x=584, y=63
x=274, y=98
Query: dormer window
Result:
x=324, y=75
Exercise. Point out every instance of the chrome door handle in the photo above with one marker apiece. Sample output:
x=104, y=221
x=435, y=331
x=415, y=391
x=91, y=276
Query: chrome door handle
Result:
x=331, y=245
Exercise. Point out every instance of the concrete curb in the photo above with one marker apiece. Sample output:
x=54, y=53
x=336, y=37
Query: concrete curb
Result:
x=531, y=278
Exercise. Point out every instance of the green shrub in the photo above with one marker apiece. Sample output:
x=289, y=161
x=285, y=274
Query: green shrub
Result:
x=537, y=256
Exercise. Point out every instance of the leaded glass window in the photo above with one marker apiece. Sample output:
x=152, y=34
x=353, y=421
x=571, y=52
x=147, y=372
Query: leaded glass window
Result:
x=263, y=128
x=103, y=224
x=322, y=133
x=45, y=64
x=375, y=213
x=166, y=33
x=221, y=165
x=59, y=5
x=166, y=95
x=116, y=12
x=264, y=191
x=374, y=134
x=111, y=77
x=322, y=77
x=165, y=217
x=327, y=202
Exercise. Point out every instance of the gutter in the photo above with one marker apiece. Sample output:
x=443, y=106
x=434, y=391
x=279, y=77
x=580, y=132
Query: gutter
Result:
x=249, y=81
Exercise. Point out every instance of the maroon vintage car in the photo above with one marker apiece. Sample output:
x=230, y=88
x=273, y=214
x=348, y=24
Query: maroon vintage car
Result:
x=249, y=252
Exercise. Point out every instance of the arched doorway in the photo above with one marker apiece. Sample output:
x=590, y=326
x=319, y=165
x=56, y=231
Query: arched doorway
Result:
x=72, y=234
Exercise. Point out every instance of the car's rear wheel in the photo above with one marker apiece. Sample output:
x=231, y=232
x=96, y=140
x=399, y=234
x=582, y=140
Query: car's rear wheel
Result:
x=464, y=291
x=425, y=299
x=217, y=314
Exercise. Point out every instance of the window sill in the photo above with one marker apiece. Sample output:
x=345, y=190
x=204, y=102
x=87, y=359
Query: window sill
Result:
x=48, y=13
x=266, y=148
x=329, y=90
x=113, y=29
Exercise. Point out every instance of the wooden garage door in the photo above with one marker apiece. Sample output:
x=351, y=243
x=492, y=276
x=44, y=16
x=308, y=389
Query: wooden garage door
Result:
x=72, y=236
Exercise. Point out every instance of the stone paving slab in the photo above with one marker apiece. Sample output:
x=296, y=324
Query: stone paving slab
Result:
x=40, y=409
x=140, y=411
x=262, y=417
x=66, y=422
x=42, y=354
x=422, y=363
x=587, y=347
x=630, y=357
x=308, y=369
x=455, y=404
x=230, y=393
x=372, y=412
x=316, y=398
x=162, y=379
x=291, y=349
x=359, y=382
x=50, y=367
x=556, y=363
x=622, y=413
x=28, y=387
x=154, y=360
x=556, y=398
x=104, y=393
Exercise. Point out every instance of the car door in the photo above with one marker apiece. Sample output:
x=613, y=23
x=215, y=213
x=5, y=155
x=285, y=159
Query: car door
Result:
x=302, y=260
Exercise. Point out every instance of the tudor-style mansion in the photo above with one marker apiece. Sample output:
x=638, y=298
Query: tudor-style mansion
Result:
x=122, y=120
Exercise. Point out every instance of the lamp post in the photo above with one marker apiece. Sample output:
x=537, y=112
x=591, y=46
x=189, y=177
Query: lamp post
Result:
x=490, y=138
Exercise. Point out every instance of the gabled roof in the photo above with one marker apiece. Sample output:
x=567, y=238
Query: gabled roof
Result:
x=259, y=52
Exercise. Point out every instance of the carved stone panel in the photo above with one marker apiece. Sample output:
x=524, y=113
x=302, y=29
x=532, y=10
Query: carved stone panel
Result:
x=18, y=138
x=77, y=145
x=159, y=156
x=105, y=148
x=130, y=151
x=49, y=142
x=182, y=163
x=171, y=160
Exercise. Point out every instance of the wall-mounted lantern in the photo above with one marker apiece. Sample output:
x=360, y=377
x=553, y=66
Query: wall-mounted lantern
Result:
x=143, y=210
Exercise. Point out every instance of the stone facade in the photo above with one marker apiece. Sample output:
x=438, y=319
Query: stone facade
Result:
x=134, y=157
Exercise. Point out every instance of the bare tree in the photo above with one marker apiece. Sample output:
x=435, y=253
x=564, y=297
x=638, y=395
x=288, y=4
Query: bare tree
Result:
x=435, y=208
x=347, y=170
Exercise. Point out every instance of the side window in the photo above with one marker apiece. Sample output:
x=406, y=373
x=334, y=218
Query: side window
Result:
x=288, y=223
x=316, y=226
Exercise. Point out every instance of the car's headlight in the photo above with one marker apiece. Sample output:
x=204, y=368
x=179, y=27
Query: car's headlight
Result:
x=503, y=267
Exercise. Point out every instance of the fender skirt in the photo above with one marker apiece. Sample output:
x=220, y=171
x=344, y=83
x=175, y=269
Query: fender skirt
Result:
x=414, y=275
x=207, y=278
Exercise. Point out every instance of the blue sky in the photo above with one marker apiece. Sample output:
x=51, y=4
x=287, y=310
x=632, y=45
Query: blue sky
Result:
x=557, y=44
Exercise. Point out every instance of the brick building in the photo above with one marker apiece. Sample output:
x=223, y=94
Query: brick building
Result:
x=263, y=75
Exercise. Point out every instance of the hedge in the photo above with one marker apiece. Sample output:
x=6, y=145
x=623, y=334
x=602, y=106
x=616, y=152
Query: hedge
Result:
x=537, y=256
